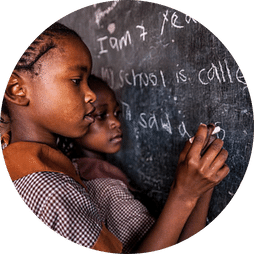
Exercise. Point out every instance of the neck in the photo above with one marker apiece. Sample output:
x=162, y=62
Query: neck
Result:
x=22, y=132
x=93, y=154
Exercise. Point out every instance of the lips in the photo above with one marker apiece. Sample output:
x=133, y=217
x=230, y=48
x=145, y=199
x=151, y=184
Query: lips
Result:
x=89, y=116
x=117, y=138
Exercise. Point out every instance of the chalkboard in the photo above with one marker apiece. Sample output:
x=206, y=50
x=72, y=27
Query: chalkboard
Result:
x=170, y=74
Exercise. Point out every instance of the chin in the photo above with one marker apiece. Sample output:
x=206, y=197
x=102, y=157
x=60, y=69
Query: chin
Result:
x=115, y=150
x=78, y=134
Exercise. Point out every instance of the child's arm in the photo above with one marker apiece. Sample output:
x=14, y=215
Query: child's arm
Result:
x=197, y=219
x=195, y=176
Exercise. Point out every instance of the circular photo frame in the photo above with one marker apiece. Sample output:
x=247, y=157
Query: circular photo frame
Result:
x=169, y=74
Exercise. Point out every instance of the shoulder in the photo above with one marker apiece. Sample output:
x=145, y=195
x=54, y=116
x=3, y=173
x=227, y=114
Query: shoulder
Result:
x=92, y=169
x=39, y=189
x=109, y=187
x=50, y=181
x=62, y=204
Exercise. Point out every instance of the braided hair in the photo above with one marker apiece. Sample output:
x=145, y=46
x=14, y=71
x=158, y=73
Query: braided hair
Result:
x=41, y=45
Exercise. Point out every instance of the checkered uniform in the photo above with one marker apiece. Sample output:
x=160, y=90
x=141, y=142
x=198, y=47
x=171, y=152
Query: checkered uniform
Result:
x=67, y=208
x=76, y=210
x=72, y=212
x=62, y=204
x=123, y=215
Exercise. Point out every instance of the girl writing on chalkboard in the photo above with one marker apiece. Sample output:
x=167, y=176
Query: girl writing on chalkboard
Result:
x=47, y=95
x=107, y=185
x=104, y=137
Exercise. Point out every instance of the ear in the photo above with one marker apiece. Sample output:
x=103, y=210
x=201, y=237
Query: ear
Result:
x=16, y=91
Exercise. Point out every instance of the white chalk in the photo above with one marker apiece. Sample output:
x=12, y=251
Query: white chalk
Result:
x=216, y=130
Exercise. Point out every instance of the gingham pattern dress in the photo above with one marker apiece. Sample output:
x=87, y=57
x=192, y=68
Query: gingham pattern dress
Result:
x=62, y=204
x=74, y=209
x=123, y=215
x=67, y=208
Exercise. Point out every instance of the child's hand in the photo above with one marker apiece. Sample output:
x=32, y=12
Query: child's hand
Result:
x=182, y=215
x=197, y=172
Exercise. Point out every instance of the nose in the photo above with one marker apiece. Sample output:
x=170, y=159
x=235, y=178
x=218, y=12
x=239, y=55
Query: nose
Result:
x=115, y=123
x=90, y=96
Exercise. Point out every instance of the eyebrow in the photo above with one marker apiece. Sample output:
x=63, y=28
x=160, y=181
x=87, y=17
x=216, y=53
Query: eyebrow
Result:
x=105, y=105
x=78, y=67
x=102, y=106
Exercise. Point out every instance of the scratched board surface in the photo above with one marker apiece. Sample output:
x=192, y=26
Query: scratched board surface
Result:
x=170, y=74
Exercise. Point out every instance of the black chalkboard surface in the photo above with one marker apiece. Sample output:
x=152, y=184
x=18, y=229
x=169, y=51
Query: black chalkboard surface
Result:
x=170, y=74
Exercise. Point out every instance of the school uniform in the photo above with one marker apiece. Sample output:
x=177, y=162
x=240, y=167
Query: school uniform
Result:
x=48, y=183
x=108, y=187
x=100, y=213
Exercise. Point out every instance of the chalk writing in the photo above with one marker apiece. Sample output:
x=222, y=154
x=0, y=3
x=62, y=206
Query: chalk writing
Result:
x=114, y=42
x=141, y=79
x=220, y=72
x=165, y=19
x=222, y=132
x=107, y=74
x=150, y=122
x=100, y=40
x=126, y=111
x=182, y=130
x=99, y=14
x=153, y=121
x=239, y=77
x=175, y=21
x=169, y=73
x=144, y=33
x=180, y=76
x=166, y=125
x=188, y=19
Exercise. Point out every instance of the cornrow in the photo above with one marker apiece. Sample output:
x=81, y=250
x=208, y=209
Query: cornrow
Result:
x=41, y=45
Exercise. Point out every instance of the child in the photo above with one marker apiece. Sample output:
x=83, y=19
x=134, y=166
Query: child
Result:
x=108, y=186
x=47, y=95
x=104, y=137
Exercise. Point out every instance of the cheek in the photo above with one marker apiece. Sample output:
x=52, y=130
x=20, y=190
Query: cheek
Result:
x=96, y=136
x=71, y=109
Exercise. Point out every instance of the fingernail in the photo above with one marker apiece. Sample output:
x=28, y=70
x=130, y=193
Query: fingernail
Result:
x=191, y=140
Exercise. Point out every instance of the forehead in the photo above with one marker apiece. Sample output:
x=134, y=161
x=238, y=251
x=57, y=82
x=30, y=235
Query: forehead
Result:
x=69, y=51
x=104, y=95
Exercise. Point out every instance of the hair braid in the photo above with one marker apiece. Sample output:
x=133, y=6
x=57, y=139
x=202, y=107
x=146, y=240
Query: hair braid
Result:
x=41, y=45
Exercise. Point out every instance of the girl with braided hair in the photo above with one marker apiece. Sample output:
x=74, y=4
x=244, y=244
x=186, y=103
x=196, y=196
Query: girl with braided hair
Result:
x=47, y=95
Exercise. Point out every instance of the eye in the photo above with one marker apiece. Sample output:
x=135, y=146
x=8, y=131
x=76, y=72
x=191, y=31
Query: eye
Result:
x=101, y=115
x=117, y=113
x=76, y=81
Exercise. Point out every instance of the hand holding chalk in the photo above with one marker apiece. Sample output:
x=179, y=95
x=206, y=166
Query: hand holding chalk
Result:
x=212, y=130
x=216, y=130
x=201, y=165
